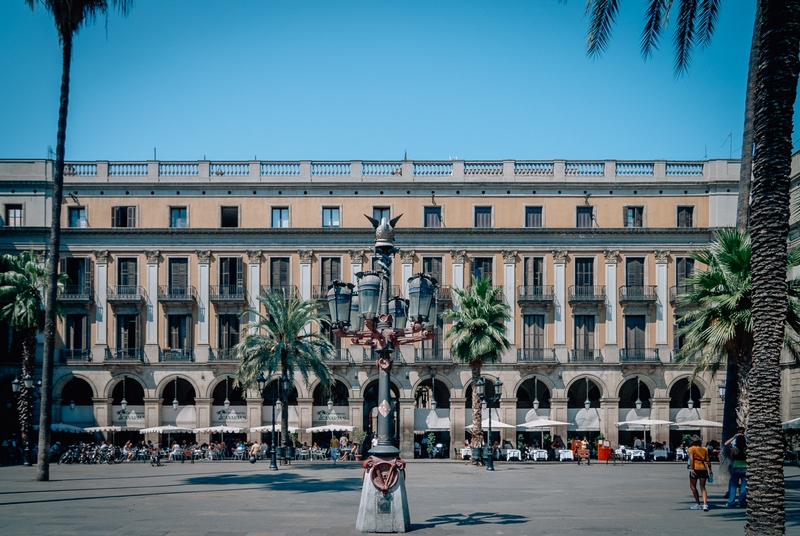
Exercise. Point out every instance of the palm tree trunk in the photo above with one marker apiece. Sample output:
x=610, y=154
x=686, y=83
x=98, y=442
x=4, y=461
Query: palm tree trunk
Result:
x=284, y=406
x=25, y=402
x=477, y=429
x=46, y=418
x=769, y=223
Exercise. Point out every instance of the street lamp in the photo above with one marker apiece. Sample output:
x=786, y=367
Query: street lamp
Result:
x=722, y=391
x=124, y=402
x=175, y=400
x=587, y=403
x=638, y=397
x=384, y=329
x=275, y=399
x=535, y=394
x=690, y=403
x=227, y=403
x=489, y=401
x=434, y=405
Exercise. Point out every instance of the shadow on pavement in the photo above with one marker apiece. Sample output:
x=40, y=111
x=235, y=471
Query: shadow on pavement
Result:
x=477, y=518
x=285, y=481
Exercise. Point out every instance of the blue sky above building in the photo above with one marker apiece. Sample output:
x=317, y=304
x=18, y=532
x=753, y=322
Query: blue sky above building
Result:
x=365, y=80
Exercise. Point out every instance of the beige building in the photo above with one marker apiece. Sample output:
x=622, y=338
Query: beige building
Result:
x=163, y=257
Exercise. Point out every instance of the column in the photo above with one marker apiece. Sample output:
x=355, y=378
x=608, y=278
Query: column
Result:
x=253, y=280
x=254, y=405
x=305, y=273
x=102, y=411
x=612, y=257
x=458, y=257
x=152, y=416
x=559, y=309
x=659, y=409
x=151, y=308
x=662, y=258
x=407, y=269
x=203, y=408
x=100, y=312
x=203, y=309
x=509, y=286
x=406, y=416
x=558, y=412
x=609, y=413
x=356, y=259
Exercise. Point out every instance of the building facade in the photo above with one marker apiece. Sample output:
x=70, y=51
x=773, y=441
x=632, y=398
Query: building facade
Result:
x=164, y=256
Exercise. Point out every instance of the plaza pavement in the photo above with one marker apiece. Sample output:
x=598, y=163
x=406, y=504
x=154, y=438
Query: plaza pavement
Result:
x=314, y=498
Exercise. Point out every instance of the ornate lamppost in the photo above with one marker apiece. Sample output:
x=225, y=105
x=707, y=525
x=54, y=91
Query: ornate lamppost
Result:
x=384, y=505
x=276, y=399
x=489, y=401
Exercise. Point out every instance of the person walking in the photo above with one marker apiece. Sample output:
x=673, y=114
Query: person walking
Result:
x=334, y=449
x=738, y=445
x=699, y=471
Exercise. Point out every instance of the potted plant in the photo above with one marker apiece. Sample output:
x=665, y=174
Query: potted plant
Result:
x=520, y=442
x=290, y=448
x=358, y=435
x=431, y=444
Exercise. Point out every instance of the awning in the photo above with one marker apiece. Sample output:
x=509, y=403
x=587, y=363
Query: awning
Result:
x=166, y=429
x=331, y=428
x=268, y=428
x=431, y=420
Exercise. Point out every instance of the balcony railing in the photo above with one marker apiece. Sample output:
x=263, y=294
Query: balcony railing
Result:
x=677, y=292
x=643, y=355
x=287, y=291
x=500, y=296
x=535, y=294
x=432, y=354
x=125, y=355
x=319, y=292
x=444, y=294
x=177, y=354
x=76, y=293
x=74, y=355
x=176, y=293
x=222, y=354
x=595, y=294
x=587, y=355
x=226, y=293
x=371, y=355
x=692, y=358
x=339, y=355
x=637, y=294
x=125, y=294
x=536, y=355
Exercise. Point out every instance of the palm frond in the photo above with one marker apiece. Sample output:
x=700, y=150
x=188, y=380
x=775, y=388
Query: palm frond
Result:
x=707, y=16
x=602, y=15
x=655, y=21
x=685, y=34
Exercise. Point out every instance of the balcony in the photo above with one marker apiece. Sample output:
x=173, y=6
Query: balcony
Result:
x=444, y=294
x=673, y=357
x=74, y=355
x=588, y=355
x=125, y=355
x=679, y=292
x=500, y=296
x=126, y=294
x=436, y=354
x=177, y=354
x=339, y=355
x=177, y=293
x=287, y=291
x=227, y=294
x=639, y=355
x=319, y=293
x=587, y=295
x=536, y=355
x=371, y=355
x=637, y=295
x=222, y=354
x=76, y=294
x=535, y=295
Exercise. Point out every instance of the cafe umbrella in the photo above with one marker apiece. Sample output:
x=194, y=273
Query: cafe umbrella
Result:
x=644, y=423
x=541, y=424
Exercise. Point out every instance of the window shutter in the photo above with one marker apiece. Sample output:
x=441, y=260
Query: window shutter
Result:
x=187, y=332
x=62, y=267
x=239, y=271
x=225, y=271
x=88, y=273
x=640, y=217
x=635, y=272
x=123, y=332
x=84, y=342
x=131, y=217
x=625, y=220
x=114, y=217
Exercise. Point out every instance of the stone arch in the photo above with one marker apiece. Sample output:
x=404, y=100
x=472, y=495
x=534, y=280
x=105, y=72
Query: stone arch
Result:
x=166, y=389
x=339, y=393
x=79, y=389
x=134, y=390
x=679, y=394
x=161, y=385
x=444, y=390
x=236, y=395
x=627, y=392
x=576, y=391
x=489, y=379
x=58, y=386
x=526, y=391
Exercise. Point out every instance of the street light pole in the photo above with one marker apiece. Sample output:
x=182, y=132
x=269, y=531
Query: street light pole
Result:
x=262, y=385
x=489, y=400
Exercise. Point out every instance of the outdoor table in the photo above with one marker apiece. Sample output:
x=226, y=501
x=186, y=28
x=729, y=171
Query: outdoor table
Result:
x=538, y=454
x=466, y=453
x=660, y=453
x=636, y=453
x=564, y=455
x=680, y=454
x=513, y=453
x=303, y=454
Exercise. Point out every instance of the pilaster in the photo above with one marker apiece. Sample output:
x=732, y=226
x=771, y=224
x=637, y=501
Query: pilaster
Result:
x=305, y=273
x=612, y=258
x=662, y=260
x=253, y=281
x=100, y=310
x=560, y=288
x=509, y=286
x=458, y=257
x=203, y=310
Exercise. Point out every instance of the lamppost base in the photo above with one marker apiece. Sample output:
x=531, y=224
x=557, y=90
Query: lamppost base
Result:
x=379, y=512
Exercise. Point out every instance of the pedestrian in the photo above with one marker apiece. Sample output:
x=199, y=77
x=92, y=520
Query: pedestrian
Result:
x=738, y=444
x=334, y=449
x=699, y=471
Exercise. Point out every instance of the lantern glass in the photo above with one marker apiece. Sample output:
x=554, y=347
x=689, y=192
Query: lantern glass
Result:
x=28, y=381
x=356, y=320
x=397, y=307
x=175, y=404
x=339, y=297
x=481, y=386
x=285, y=384
x=420, y=293
x=124, y=404
x=262, y=382
x=15, y=385
x=369, y=293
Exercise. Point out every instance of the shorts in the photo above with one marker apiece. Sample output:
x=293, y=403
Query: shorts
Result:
x=699, y=473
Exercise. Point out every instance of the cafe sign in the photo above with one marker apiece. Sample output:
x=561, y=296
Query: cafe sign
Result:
x=335, y=415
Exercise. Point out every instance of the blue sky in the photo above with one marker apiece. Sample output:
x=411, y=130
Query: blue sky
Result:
x=342, y=80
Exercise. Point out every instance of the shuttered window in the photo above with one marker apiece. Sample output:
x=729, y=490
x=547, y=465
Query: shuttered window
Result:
x=683, y=270
x=178, y=275
x=584, y=217
x=633, y=216
x=331, y=270
x=634, y=271
x=179, y=331
x=433, y=266
x=433, y=216
x=127, y=331
x=533, y=216
x=533, y=331
x=228, y=330
x=80, y=272
x=482, y=267
x=126, y=272
x=77, y=217
x=75, y=332
x=123, y=216
x=231, y=272
x=279, y=272
x=483, y=217
x=634, y=332
x=533, y=274
x=685, y=216
x=584, y=334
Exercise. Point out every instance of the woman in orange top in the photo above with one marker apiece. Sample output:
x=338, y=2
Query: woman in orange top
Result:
x=699, y=469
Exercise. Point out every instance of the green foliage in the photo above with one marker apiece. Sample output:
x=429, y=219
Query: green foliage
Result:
x=293, y=437
x=71, y=15
x=358, y=435
x=21, y=283
x=431, y=442
x=478, y=334
x=281, y=340
x=520, y=442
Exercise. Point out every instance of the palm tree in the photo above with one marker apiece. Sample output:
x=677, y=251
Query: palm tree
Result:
x=21, y=281
x=280, y=340
x=719, y=328
x=776, y=91
x=478, y=335
x=70, y=16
